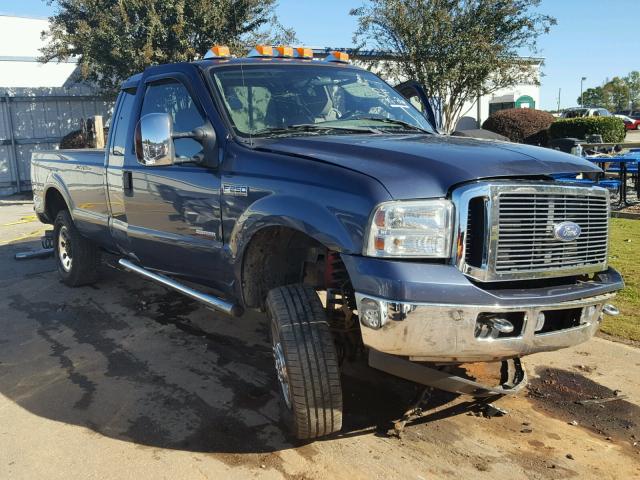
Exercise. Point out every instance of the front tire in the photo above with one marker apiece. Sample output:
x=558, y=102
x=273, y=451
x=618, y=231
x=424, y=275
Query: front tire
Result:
x=306, y=362
x=77, y=258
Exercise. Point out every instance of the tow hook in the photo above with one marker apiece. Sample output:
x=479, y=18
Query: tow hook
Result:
x=610, y=310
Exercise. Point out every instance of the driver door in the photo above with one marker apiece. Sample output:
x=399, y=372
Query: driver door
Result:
x=173, y=211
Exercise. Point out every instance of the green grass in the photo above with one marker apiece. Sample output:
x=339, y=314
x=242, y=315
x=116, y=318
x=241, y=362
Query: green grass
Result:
x=624, y=255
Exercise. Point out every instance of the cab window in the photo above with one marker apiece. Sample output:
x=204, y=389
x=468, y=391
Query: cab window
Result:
x=172, y=97
x=121, y=123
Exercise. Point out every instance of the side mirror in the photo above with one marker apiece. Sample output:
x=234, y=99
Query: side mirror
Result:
x=154, y=140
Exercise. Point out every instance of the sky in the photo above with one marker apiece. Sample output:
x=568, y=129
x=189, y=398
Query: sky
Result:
x=597, y=39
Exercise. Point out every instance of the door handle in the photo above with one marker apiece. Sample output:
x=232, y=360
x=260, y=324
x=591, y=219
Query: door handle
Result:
x=127, y=181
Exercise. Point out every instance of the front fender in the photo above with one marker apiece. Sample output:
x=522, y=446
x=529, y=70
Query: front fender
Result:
x=339, y=229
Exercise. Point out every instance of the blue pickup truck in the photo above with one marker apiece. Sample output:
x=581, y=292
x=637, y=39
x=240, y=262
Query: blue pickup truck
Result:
x=315, y=191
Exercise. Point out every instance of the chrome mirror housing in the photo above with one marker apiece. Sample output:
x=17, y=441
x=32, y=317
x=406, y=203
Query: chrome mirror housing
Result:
x=154, y=140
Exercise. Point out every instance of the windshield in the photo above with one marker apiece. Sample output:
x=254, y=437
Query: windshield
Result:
x=266, y=100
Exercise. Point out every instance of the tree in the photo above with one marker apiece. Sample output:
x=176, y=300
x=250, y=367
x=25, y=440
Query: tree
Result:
x=593, y=97
x=616, y=94
x=633, y=83
x=457, y=49
x=114, y=39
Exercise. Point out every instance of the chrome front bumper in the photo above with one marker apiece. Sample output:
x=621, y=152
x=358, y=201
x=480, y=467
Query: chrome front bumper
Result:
x=447, y=333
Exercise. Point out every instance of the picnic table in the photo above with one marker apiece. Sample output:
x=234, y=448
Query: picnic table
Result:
x=628, y=163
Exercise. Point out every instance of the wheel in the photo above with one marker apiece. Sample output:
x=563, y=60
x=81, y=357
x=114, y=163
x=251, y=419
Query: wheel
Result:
x=306, y=362
x=77, y=257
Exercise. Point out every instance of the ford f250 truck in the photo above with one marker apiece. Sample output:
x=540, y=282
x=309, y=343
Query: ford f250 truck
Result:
x=315, y=191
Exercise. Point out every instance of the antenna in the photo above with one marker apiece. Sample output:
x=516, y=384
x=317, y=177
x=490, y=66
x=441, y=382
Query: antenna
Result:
x=249, y=97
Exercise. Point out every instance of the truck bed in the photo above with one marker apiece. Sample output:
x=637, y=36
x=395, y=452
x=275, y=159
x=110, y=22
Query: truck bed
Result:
x=80, y=175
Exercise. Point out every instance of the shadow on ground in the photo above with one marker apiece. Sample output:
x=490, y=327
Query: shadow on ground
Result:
x=132, y=361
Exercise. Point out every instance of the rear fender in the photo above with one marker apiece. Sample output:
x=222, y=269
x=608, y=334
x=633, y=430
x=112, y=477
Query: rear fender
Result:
x=55, y=181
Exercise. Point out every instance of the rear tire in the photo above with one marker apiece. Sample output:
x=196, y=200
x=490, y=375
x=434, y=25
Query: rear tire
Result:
x=77, y=258
x=306, y=362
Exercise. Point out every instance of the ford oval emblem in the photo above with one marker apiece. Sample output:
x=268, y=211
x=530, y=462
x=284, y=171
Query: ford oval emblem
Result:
x=566, y=231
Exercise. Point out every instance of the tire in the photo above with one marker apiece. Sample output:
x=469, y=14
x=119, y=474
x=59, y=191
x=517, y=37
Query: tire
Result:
x=306, y=362
x=77, y=258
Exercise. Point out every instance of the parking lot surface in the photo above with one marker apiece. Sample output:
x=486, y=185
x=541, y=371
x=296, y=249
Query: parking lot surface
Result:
x=124, y=379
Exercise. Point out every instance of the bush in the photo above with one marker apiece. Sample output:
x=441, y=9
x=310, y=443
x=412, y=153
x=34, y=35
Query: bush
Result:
x=611, y=128
x=521, y=125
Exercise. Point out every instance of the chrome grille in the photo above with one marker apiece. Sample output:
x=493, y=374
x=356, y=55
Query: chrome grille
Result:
x=526, y=240
x=518, y=241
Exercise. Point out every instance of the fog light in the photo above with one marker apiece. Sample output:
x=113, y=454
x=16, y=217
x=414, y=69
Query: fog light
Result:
x=540, y=322
x=372, y=313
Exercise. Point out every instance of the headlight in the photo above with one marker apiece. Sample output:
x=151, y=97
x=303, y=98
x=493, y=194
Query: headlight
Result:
x=416, y=228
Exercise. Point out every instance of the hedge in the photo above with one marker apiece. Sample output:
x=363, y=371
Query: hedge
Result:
x=611, y=128
x=521, y=125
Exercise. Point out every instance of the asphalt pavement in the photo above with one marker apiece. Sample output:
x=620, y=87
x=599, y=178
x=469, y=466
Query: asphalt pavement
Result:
x=125, y=379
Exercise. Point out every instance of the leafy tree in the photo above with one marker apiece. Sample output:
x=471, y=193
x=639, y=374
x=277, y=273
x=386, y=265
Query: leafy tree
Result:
x=633, y=82
x=593, y=97
x=114, y=39
x=457, y=49
x=616, y=94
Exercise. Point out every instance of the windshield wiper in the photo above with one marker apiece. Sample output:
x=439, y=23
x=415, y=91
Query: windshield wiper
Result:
x=311, y=127
x=400, y=123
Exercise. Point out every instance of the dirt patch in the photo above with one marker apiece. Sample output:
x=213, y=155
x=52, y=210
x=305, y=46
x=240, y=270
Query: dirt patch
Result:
x=561, y=394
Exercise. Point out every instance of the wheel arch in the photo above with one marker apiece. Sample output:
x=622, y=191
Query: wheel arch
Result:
x=277, y=235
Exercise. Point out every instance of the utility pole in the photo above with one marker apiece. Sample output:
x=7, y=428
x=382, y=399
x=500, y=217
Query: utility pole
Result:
x=559, y=92
x=581, y=99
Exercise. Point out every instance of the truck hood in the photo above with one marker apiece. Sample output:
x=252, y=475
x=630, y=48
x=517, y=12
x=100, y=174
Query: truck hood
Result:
x=420, y=166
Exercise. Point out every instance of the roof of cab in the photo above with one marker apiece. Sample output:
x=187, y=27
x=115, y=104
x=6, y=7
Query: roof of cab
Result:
x=134, y=80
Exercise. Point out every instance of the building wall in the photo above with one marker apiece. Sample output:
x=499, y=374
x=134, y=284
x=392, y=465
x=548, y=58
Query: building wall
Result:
x=39, y=103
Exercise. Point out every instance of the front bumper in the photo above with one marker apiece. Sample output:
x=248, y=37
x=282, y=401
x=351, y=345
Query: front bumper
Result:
x=431, y=311
x=447, y=333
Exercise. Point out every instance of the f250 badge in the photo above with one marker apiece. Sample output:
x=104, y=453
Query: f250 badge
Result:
x=235, y=190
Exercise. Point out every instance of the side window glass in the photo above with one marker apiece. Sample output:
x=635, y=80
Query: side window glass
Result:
x=121, y=124
x=174, y=98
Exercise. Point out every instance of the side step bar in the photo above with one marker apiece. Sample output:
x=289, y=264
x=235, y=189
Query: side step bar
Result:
x=210, y=301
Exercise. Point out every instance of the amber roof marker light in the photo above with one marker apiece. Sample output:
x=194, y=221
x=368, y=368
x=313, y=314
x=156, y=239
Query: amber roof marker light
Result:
x=284, y=51
x=303, y=53
x=218, y=51
x=339, y=57
x=261, y=51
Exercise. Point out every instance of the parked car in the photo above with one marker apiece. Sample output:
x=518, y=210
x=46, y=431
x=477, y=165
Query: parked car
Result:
x=630, y=123
x=257, y=183
x=634, y=114
x=585, y=112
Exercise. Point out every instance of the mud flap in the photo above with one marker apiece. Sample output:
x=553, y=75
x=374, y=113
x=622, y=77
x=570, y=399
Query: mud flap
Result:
x=513, y=376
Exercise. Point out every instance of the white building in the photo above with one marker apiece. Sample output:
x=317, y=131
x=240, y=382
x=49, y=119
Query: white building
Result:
x=20, y=43
x=39, y=103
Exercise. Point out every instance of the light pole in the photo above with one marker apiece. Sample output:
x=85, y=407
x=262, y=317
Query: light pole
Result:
x=581, y=100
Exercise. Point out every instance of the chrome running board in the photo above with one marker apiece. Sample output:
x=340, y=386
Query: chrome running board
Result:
x=210, y=301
